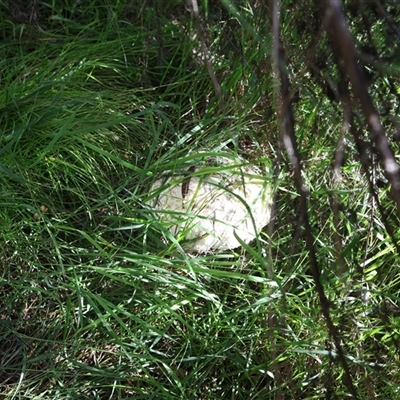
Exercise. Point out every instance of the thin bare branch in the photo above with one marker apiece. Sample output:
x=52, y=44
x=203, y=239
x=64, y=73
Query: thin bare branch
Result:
x=339, y=33
x=381, y=67
x=285, y=112
x=337, y=179
x=391, y=23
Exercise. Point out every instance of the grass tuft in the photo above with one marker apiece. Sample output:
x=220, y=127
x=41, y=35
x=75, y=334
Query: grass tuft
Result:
x=97, y=101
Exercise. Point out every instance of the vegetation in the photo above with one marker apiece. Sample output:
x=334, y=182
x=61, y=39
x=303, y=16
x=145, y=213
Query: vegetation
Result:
x=98, y=301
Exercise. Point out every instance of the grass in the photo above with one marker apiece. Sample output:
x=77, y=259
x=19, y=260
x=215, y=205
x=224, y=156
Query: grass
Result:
x=94, y=106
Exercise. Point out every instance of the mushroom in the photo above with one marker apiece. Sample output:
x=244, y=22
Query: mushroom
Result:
x=208, y=207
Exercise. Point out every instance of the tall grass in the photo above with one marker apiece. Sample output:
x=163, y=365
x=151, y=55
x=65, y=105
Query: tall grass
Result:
x=98, y=300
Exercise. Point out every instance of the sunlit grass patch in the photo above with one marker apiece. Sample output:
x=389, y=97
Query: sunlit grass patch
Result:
x=99, y=299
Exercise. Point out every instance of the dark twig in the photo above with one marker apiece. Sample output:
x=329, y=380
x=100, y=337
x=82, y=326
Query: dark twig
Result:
x=285, y=113
x=383, y=68
x=337, y=178
x=339, y=33
x=366, y=164
x=389, y=20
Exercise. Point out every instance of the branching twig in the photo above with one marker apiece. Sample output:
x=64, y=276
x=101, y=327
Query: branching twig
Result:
x=285, y=113
x=366, y=164
x=339, y=33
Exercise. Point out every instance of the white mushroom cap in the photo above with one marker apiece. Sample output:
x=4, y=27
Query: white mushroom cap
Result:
x=209, y=208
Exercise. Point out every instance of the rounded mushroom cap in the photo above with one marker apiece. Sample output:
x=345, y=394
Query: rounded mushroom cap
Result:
x=209, y=208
